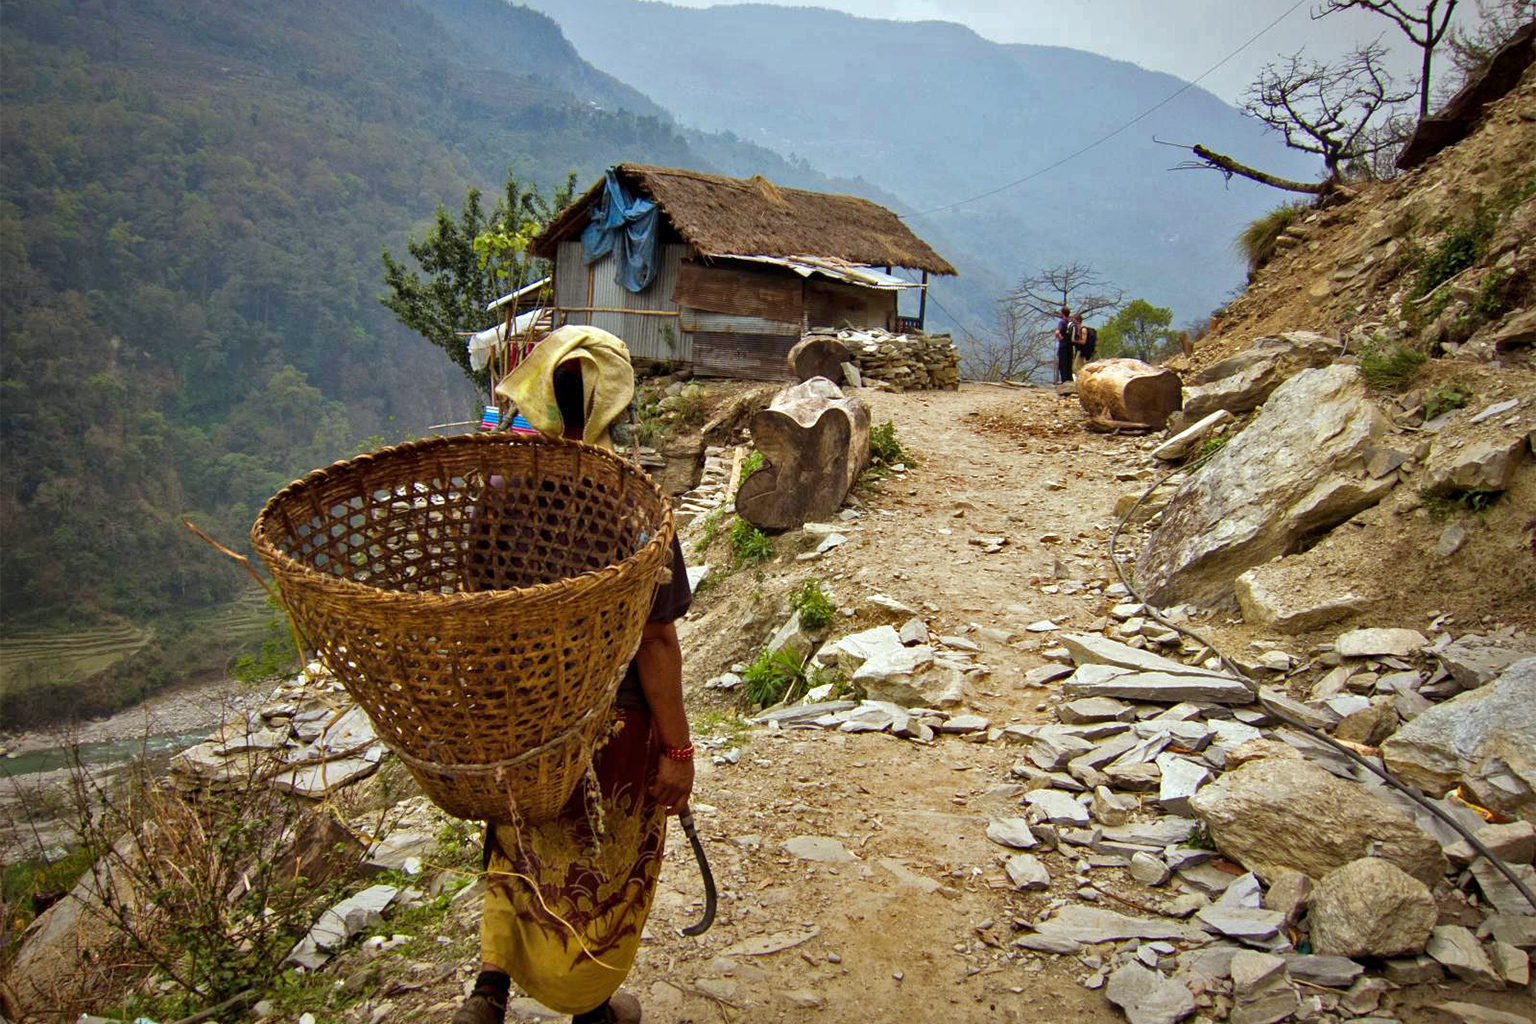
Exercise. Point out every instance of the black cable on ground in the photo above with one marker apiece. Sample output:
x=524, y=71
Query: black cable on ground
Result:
x=1290, y=720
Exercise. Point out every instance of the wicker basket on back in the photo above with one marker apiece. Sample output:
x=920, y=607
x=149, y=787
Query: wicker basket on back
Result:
x=480, y=597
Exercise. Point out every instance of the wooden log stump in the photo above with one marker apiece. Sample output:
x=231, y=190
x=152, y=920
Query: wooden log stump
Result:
x=1128, y=391
x=818, y=357
x=815, y=443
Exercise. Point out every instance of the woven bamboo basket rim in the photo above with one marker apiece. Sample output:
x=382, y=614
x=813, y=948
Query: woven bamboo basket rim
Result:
x=302, y=573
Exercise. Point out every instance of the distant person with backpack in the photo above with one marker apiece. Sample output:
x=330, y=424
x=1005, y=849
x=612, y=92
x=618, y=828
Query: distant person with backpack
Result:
x=1065, y=334
x=1085, y=339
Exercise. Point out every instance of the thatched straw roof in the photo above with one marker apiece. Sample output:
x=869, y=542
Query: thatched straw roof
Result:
x=722, y=216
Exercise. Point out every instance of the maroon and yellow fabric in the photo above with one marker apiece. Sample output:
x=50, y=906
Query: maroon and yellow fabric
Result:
x=599, y=885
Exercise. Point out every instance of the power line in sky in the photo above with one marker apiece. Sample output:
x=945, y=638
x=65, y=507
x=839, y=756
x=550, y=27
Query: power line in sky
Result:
x=1109, y=135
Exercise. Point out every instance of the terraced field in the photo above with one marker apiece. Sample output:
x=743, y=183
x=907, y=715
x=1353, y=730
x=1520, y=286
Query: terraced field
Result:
x=60, y=657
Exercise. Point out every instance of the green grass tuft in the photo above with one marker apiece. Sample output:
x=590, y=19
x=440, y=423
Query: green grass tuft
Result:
x=813, y=605
x=1391, y=368
x=1444, y=399
x=775, y=677
x=1257, y=242
x=749, y=544
x=884, y=446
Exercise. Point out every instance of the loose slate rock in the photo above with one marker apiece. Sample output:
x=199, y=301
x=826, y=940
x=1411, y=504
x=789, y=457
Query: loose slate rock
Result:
x=1375, y=643
x=1241, y=923
x=1484, y=738
x=1026, y=872
x=1156, y=687
x=1092, y=925
x=1095, y=709
x=1148, y=997
x=1181, y=779
x=1011, y=832
x=1057, y=808
x=1262, y=992
x=1458, y=949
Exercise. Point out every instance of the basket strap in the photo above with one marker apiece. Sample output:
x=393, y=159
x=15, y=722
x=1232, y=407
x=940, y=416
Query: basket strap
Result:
x=527, y=755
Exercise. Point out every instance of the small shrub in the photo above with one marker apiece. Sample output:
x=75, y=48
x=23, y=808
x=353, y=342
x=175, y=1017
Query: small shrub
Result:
x=1462, y=246
x=1208, y=450
x=749, y=544
x=775, y=677
x=1392, y=368
x=691, y=406
x=1493, y=295
x=1444, y=399
x=711, y=529
x=813, y=605
x=884, y=446
x=1257, y=242
x=1445, y=505
x=749, y=465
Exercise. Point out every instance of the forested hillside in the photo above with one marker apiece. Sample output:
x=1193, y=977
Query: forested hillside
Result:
x=193, y=201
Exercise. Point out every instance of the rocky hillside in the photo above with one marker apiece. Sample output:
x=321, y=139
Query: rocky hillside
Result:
x=1416, y=303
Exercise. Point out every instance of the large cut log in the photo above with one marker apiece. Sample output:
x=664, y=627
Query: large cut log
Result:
x=818, y=357
x=1128, y=391
x=815, y=443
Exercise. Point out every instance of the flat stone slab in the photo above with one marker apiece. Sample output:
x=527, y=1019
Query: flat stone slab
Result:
x=1057, y=808
x=819, y=848
x=1093, y=649
x=1160, y=832
x=1092, y=925
x=804, y=712
x=1156, y=687
x=1377, y=643
x=1242, y=923
x=1148, y=997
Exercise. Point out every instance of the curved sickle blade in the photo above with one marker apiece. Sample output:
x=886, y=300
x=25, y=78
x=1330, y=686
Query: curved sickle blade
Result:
x=685, y=817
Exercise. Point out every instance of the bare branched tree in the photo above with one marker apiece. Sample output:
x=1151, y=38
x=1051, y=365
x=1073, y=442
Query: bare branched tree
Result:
x=1425, y=26
x=1078, y=285
x=1327, y=109
x=1023, y=344
x=1018, y=349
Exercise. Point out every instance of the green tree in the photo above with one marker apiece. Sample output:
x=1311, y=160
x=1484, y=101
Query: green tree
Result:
x=468, y=263
x=1139, y=331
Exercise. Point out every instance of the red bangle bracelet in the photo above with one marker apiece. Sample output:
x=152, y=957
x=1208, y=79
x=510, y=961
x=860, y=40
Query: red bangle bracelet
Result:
x=679, y=753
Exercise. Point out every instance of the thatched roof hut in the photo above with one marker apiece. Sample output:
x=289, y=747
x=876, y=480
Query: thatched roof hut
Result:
x=728, y=273
x=720, y=216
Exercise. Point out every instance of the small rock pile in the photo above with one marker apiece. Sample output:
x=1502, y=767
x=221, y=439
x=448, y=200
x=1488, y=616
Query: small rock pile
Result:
x=308, y=739
x=903, y=362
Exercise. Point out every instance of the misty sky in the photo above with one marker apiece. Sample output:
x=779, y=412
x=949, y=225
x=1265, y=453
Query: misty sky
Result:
x=1181, y=37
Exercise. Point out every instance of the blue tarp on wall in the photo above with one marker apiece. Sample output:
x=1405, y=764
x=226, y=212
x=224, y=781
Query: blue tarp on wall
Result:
x=626, y=226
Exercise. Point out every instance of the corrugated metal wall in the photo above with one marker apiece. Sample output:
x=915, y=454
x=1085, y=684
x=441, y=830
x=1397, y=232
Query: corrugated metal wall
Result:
x=648, y=337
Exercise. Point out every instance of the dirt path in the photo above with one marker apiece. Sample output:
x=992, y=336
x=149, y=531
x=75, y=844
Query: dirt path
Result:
x=918, y=927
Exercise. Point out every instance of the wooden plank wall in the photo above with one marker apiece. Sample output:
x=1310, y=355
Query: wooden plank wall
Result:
x=770, y=294
x=833, y=303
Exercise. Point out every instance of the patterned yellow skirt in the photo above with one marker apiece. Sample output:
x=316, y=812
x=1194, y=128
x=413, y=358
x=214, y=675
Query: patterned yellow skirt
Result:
x=565, y=904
